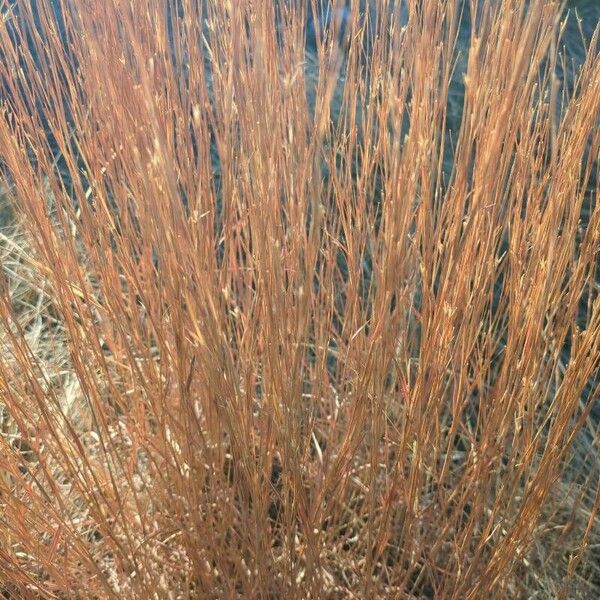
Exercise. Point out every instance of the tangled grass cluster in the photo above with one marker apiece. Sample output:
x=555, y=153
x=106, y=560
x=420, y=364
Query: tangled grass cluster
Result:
x=272, y=327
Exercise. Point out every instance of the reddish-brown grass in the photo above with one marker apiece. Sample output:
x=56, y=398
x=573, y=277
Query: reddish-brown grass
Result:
x=260, y=344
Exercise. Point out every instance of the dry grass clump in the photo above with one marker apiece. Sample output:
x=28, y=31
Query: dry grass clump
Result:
x=258, y=343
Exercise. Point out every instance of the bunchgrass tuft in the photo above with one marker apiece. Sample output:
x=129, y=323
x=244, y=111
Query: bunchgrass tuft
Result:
x=274, y=324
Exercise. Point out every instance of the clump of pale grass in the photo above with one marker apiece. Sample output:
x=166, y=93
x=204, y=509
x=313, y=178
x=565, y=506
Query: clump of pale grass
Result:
x=258, y=343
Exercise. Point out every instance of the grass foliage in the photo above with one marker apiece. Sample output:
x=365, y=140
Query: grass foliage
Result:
x=258, y=341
